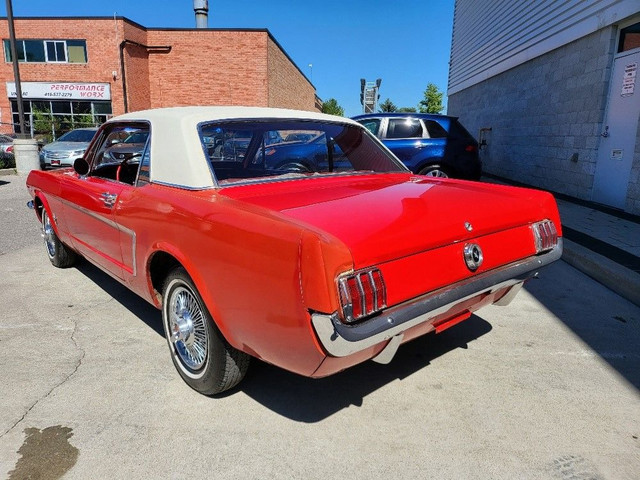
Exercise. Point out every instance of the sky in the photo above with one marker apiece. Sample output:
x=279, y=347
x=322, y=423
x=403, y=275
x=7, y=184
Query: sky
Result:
x=405, y=43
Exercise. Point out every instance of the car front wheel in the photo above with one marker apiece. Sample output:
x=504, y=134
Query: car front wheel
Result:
x=203, y=357
x=434, y=171
x=59, y=254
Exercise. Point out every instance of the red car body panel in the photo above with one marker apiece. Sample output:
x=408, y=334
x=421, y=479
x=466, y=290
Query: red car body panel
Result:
x=254, y=252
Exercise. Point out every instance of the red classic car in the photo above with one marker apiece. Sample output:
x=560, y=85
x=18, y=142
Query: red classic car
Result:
x=313, y=270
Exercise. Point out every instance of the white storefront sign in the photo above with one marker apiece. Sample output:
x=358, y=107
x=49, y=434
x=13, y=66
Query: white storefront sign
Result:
x=61, y=91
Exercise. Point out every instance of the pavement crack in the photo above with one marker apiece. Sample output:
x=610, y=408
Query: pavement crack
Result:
x=62, y=382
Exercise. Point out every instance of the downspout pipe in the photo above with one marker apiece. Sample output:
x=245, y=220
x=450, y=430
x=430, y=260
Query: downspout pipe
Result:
x=149, y=49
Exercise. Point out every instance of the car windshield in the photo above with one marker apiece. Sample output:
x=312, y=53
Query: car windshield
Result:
x=77, y=136
x=248, y=151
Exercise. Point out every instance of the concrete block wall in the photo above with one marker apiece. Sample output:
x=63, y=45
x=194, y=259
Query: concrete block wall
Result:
x=545, y=116
x=633, y=194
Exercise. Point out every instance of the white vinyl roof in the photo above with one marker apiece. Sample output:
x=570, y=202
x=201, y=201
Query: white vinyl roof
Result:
x=177, y=156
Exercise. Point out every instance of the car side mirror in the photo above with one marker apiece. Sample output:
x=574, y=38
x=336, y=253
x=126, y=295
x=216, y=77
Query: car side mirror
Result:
x=81, y=166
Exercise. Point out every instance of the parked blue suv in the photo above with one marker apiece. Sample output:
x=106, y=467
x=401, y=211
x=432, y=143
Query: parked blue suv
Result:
x=428, y=144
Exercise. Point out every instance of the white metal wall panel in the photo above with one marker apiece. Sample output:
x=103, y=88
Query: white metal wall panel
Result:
x=492, y=36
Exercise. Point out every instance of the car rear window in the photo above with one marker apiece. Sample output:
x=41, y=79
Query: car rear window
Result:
x=371, y=124
x=404, y=128
x=247, y=151
x=435, y=129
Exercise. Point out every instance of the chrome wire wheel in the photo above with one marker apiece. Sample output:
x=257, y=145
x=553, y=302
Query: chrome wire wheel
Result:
x=188, y=333
x=49, y=235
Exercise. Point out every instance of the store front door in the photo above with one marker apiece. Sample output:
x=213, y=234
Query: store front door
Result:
x=615, y=154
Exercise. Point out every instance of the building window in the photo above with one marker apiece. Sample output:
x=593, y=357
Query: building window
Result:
x=56, y=51
x=629, y=38
x=50, y=119
x=48, y=51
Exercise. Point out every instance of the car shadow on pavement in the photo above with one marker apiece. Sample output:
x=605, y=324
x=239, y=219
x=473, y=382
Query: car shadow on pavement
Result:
x=305, y=399
x=2, y=182
x=132, y=302
x=604, y=321
x=311, y=400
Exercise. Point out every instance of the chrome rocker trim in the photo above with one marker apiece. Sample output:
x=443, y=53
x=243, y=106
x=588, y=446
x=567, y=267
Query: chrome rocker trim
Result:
x=340, y=340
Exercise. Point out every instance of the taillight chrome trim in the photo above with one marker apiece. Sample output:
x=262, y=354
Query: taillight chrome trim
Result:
x=545, y=235
x=378, y=290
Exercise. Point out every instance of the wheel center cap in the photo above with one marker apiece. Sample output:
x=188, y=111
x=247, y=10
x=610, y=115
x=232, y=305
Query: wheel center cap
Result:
x=182, y=328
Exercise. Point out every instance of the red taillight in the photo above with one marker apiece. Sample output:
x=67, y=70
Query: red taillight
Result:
x=471, y=148
x=361, y=294
x=545, y=235
x=10, y=149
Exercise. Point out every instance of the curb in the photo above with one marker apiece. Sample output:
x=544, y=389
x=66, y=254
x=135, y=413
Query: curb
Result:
x=621, y=280
x=7, y=171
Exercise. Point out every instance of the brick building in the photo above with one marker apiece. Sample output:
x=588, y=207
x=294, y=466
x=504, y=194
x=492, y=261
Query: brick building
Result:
x=82, y=70
x=553, y=90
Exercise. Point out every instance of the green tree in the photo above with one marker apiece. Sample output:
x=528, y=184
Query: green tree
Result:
x=332, y=107
x=407, y=110
x=45, y=126
x=432, y=101
x=388, y=106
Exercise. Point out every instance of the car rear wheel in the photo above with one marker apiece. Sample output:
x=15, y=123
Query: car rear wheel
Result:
x=294, y=167
x=203, y=357
x=434, y=171
x=59, y=254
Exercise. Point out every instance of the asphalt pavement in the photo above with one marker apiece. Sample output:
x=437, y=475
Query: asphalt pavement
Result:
x=547, y=387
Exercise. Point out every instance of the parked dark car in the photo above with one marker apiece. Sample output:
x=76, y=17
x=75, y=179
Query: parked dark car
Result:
x=310, y=154
x=428, y=144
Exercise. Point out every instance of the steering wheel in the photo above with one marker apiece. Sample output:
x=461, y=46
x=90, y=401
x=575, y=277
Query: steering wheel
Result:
x=124, y=165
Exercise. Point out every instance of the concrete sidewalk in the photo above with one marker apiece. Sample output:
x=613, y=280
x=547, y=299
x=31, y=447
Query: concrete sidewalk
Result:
x=601, y=242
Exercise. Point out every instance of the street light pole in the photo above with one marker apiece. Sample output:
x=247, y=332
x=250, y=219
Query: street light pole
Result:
x=16, y=69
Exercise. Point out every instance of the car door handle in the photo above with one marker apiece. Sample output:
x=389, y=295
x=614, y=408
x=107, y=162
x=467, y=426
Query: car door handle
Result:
x=109, y=199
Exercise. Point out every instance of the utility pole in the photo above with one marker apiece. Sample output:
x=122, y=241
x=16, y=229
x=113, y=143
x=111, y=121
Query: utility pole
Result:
x=16, y=69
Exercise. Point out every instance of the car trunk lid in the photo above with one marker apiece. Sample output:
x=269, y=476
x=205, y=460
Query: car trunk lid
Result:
x=387, y=217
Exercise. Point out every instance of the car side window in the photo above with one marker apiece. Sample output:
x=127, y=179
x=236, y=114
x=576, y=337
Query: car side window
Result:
x=434, y=129
x=371, y=124
x=404, y=128
x=117, y=153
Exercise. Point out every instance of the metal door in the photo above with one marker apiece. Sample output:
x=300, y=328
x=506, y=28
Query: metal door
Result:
x=615, y=154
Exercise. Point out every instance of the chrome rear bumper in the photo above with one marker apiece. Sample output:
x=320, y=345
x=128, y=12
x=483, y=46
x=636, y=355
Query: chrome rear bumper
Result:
x=340, y=340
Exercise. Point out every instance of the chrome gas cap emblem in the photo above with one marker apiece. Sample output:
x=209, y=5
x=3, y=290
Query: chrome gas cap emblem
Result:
x=473, y=256
x=468, y=226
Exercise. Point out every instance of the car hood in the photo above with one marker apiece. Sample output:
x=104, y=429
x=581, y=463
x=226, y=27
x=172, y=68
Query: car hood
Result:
x=65, y=146
x=385, y=217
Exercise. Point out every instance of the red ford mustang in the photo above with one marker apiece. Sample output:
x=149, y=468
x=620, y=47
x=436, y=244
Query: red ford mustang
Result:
x=313, y=265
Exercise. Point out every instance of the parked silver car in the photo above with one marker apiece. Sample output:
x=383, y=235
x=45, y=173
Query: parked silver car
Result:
x=70, y=146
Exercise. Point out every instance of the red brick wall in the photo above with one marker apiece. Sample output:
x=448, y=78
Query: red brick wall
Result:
x=204, y=67
x=288, y=88
x=136, y=63
x=102, y=53
x=207, y=67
